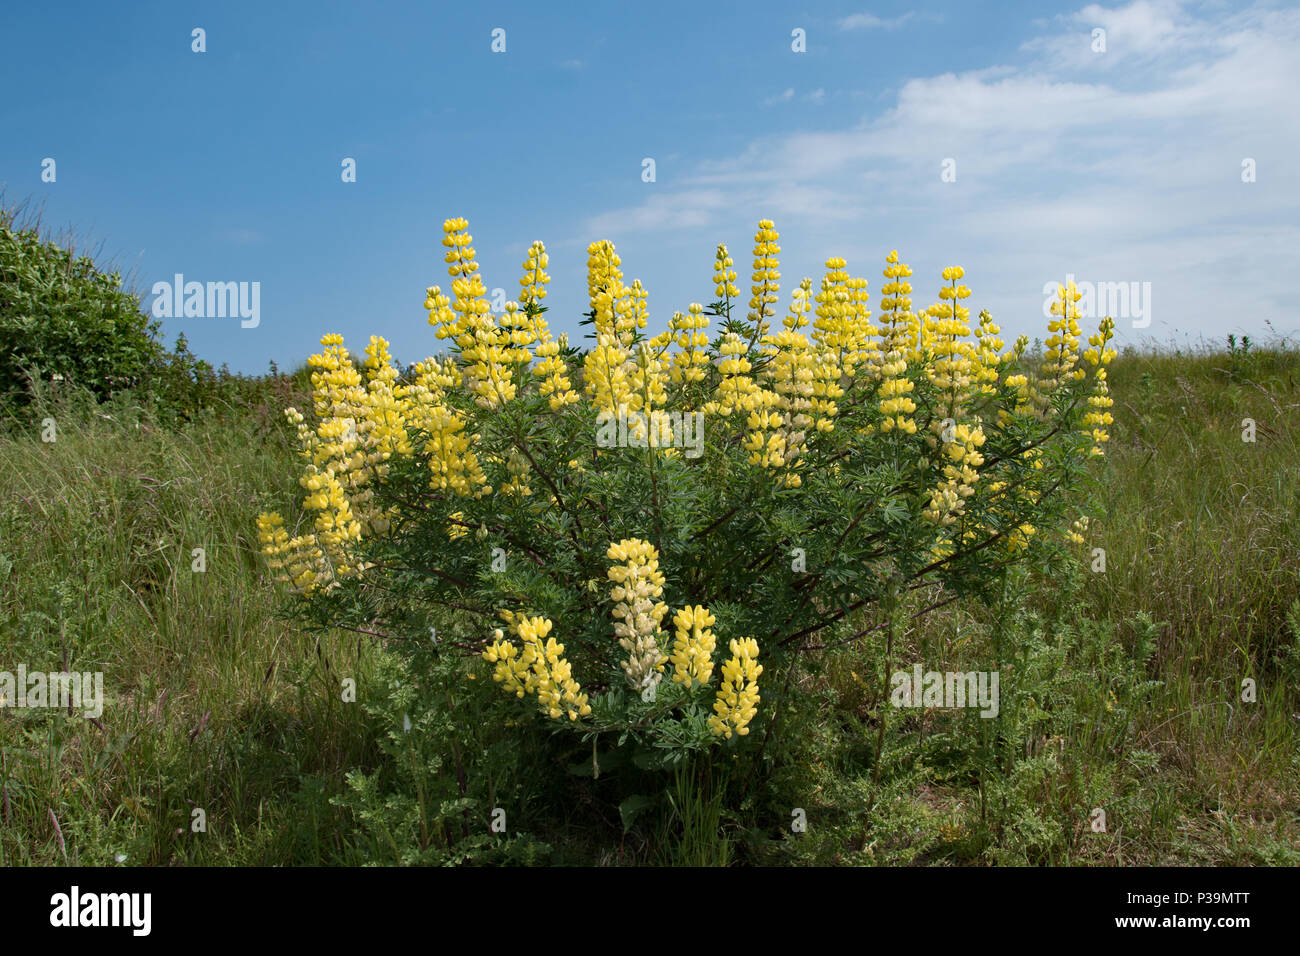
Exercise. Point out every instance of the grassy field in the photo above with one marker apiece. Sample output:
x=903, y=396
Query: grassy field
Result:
x=1122, y=690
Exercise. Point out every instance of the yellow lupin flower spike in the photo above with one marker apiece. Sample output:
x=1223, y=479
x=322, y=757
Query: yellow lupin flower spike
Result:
x=737, y=698
x=692, y=656
x=637, y=612
x=766, y=276
x=537, y=668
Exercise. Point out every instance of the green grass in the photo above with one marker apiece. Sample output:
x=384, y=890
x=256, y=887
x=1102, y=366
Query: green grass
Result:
x=1203, y=535
x=96, y=536
x=1122, y=690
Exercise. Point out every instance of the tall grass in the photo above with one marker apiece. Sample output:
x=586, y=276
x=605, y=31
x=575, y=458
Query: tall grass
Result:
x=1122, y=689
x=1202, y=532
x=1125, y=691
x=213, y=703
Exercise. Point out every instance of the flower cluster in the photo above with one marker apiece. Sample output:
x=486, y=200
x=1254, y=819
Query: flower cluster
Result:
x=488, y=351
x=724, y=276
x=779, y=424
x=637, y=612
x=960, y=472
x=766, y=276
x=898, y=321
x=537, y=664
x=1099, y=356
x=1062, y=356
x=737, y=700
x=736, y=389
x=693, y=341
x=361, y=424
x=538, y=668
x=692, y=656
x=1075, y=535
x=951, y=366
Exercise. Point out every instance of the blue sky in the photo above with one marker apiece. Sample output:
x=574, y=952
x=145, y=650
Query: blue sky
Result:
x=1122, y=165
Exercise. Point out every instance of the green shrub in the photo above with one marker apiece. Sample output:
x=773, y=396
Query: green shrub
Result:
x=838, y=468
x=61, y=315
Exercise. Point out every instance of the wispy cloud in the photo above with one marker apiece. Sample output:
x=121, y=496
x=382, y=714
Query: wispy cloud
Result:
x=869, y=21
x=676, y=210
x=1062, y=162
x=785, y=96
x=1142, y=31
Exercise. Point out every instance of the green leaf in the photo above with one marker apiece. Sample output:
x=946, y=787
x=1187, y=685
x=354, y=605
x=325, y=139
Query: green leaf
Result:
x=632, y=806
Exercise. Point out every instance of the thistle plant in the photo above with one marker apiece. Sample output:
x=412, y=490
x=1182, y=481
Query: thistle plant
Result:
x=850, y=465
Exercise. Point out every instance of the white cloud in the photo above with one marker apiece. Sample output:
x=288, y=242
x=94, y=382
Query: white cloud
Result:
x=869, y=21
x=785, y=96
x=1064, y=163
x=1144, y=31
x=675, y=210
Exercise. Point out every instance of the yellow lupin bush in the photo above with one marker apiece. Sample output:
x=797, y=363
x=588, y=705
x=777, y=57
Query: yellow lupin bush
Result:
x=890, y=450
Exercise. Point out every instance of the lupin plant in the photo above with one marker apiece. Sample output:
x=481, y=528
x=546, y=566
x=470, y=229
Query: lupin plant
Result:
x=652, y=515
